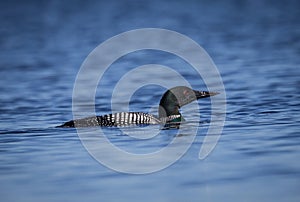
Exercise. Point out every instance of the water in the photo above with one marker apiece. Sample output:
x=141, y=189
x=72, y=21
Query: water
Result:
x=255, y=45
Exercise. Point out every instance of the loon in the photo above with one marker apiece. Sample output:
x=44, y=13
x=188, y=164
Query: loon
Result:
x=168, y=111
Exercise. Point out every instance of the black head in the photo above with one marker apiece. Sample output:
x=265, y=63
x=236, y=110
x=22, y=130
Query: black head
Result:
x=177, y=97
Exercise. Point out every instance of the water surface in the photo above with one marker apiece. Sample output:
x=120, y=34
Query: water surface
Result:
x=255, y=45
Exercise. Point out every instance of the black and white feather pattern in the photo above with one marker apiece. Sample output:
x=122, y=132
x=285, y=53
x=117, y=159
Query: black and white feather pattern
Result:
x=119, y=119
x=127, y=118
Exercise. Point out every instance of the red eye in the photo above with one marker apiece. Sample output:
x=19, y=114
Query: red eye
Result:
x=185, y=92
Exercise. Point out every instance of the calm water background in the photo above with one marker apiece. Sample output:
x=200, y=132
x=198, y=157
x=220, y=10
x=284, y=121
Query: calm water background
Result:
x=256, y=47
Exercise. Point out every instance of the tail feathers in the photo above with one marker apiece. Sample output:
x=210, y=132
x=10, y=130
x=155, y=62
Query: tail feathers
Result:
x=85, y=122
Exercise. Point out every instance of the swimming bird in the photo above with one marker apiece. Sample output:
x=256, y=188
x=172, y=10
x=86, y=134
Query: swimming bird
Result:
x=172, y=100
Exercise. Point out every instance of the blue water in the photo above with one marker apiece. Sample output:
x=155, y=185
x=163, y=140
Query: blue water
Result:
x=254, y=44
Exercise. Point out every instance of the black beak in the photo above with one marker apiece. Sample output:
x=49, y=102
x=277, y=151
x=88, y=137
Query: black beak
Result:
x=203, y=94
